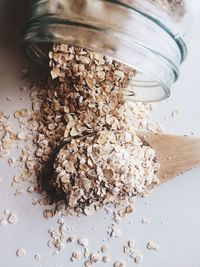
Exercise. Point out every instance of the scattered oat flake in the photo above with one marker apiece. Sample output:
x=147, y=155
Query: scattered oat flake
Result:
x=114, y=231
x=145, y=221
x=94, y=257
x=19, y=191
x=76, y=256
x=129, y=250
x=37, y=257
x=88, y=263
x=30, y=189
x=106, y=259
x=22, y=113
x=11, y=161
x=21, y=252
x=86, y=253
x=174, y=113
x=7, y=211
x=89, y=210
x=70, y=239
x=137, y=257
x=104, y=248
x=130, y=243
x=12, y=218
x=48, y=214
x=151, y=245
x=83, y=242
x=119, y=263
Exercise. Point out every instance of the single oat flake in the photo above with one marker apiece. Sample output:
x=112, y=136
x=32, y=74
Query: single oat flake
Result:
x=37, y=257
x=151, y=245
x=104, y=248
x=21, y=252
x=76, y=256
x=12, y=218
x=83, y=242
x=106, y=259
x=119, y=263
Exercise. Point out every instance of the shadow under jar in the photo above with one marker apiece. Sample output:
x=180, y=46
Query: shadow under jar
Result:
x=148, y=35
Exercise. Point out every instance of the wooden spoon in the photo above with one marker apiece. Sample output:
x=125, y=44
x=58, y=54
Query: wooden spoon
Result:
x=176, y=154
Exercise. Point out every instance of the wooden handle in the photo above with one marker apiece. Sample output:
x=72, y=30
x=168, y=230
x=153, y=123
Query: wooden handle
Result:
x=176, y=154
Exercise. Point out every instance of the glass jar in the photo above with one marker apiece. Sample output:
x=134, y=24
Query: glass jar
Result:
x=148, y=35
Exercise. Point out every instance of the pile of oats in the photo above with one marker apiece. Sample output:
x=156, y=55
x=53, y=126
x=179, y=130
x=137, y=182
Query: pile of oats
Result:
x=86, y=97
x=110, y=167
x=104, y=161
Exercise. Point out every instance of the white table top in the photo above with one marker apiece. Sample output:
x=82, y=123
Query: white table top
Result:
x=175, y=203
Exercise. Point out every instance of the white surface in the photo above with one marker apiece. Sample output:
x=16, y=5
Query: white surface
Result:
x=175, y=203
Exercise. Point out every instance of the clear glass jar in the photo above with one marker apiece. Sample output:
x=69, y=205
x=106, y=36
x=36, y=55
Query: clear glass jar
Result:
x=148, y=35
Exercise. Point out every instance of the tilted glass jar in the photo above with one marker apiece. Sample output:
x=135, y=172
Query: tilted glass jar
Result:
x=148, y=35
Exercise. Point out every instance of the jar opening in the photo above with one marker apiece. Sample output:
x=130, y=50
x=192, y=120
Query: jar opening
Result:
x=113, y=30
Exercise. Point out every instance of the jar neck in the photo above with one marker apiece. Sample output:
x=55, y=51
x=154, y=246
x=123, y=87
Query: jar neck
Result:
x=113, y=29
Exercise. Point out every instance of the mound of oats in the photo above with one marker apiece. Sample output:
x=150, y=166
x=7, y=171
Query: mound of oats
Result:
x=86, y=94
x=109, y=167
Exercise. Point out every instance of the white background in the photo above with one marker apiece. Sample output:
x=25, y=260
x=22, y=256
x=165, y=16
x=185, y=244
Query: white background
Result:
x=176, y=203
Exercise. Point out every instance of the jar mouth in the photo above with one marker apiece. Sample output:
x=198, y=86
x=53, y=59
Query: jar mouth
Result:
x=141, y=44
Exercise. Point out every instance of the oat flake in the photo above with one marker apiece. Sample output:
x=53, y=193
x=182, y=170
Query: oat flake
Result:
x=12, y=218
x=21, y=252
x=151, y=245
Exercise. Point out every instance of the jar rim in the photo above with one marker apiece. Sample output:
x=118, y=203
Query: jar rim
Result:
x=48, y=29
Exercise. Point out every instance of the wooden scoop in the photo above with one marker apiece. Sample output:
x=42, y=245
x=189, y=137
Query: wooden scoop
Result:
x=176, y=154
